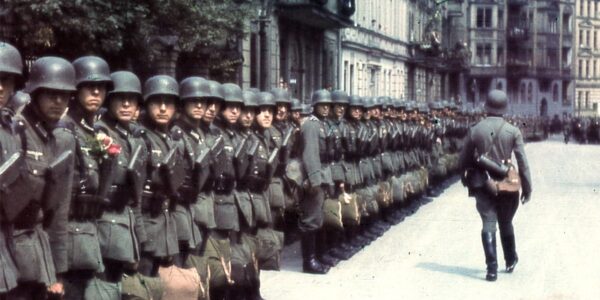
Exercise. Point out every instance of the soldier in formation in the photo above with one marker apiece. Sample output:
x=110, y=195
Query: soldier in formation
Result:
x=185, y=190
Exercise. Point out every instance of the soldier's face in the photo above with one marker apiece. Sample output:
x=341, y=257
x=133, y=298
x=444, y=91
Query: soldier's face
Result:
x=7, y=88
x=282, y=112
x=339, y=110
x=355, y=112
x=194, y=108
x=213, y=107
x=374, y=112
x=231, y=113
x=322, y=110
x=264, y=118
x=296, y=117
x=52, y=104
x=247, y=117
x=161, y=109
x=91, y=96
x=123, y=107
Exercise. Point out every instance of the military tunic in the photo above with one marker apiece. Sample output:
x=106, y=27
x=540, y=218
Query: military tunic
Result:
x=40, y=236
x=121, y=227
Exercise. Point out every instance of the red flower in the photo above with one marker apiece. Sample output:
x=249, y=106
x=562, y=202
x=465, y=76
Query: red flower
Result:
x=113, y=149
x=106, y=141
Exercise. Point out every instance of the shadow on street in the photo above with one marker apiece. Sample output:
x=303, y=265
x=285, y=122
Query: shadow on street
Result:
x=462, y=271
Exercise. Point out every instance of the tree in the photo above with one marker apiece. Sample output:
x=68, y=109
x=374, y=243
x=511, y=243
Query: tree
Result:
x=122, y=30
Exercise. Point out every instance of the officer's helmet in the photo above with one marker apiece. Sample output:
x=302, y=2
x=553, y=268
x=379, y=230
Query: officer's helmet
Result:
x=339, y=97
x=281, y=96
x=232, y=93
x=51, y=72
x=193, y=87
x=321, y=97
x=161, y=85
x=92, y=69
x=306, y=110
x=250, y=99
x=369, y=102
x=11, y=61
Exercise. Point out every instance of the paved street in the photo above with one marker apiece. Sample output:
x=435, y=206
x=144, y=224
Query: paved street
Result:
x=437, y=253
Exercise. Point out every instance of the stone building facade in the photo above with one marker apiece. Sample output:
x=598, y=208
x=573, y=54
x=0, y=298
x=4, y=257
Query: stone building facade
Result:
x=587, y=60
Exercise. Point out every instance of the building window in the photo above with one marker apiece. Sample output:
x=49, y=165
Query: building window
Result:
x=587, y=69
x=500, y=56
x=587, y=100
x=530, y=92
x=579, y=68
x=579, y=99
x=555, y=93
x=351, y=86
x=500, y=18
x=595, y=39
x=484, y=54
x=587, y=39
x=594, y=69
x=553, y=23
x=484, y=17
x=580, y=37
x=589, y=9
x=522, y=94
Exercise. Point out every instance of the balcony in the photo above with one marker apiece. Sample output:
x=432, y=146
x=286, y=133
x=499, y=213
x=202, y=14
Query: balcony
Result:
x=519, y=68
x=316, y=13
x=549, y=72
x=518, y=33
x=517, y=2
x=487, y=71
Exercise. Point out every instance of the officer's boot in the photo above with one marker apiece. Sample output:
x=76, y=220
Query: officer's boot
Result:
x=491, y=260
x=356, y=238
x=510, y=252
x=310, y=264
x=346, y=241
x=322, y=248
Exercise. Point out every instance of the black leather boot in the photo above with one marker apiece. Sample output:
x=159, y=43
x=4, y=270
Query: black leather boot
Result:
x=310, y=264
x=322, y=248
x=510, y=252
x=253, y=291
x=491, y=260
x=340, y=250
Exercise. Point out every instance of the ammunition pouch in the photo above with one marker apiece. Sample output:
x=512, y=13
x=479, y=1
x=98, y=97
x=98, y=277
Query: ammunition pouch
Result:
x=85, y=207
x=262, y=211
x=83, y=247
x=120, y=196
x=223, y=185
x=31, y=216
x=155, y=204
x=187, y=194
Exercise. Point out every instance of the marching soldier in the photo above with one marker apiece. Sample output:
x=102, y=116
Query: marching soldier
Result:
x=164, y=174
x=11, y=76
x=94, y=164
x=121, y=227
x=39, y=200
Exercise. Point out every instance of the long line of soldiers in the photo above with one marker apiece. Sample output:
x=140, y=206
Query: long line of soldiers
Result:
x=190, y=201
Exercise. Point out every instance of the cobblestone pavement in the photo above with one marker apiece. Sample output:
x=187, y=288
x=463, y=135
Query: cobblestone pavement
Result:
x=437, y=253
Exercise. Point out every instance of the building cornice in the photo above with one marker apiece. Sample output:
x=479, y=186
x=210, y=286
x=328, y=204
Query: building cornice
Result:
x=367, y=49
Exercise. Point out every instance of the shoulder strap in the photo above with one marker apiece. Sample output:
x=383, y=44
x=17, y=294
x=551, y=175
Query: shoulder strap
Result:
x=493, y=143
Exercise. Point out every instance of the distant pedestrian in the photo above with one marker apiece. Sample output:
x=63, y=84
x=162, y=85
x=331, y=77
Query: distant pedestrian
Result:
x=497, y=140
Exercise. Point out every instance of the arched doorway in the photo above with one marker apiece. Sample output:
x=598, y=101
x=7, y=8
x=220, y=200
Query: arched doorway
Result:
x=544, y=108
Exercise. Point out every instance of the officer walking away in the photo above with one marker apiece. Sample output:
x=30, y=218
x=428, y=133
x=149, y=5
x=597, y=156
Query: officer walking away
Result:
x=496, y=139
x=39, y=201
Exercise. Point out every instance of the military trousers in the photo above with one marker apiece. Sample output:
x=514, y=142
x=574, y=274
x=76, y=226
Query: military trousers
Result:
x=496, y=209
x=311, y=209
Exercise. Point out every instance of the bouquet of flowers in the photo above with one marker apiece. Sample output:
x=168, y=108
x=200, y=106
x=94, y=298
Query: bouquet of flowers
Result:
x=103, y=146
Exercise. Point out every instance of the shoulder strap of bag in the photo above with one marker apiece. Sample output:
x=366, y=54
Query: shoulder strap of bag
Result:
x=493, y=143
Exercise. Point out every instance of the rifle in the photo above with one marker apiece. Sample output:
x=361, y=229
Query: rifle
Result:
x=172, y=175
x=57, y=171
x=272, y=164
x=285, y=154
x=10, y=170
x=241, y=159
x=133, y=173
x=202, y=168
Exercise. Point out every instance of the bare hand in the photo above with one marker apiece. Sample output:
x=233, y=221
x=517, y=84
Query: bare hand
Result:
x=56, y=288
x=525, y=198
